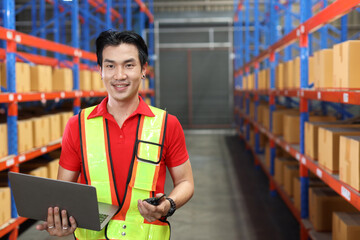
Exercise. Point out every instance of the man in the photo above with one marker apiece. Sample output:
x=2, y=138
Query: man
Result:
x=122, y=146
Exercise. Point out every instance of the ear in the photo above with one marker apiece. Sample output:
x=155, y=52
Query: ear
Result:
x=143, y=70
x=100, y=72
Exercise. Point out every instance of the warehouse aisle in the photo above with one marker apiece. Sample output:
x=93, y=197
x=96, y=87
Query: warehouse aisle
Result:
x=231, y=200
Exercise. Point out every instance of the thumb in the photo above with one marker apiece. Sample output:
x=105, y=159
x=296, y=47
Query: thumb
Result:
x=160, y=194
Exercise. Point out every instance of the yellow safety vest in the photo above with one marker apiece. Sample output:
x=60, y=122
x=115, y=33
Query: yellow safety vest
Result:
x=127, y=224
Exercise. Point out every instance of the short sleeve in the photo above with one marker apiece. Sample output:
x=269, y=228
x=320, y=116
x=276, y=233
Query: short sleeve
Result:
x=70, y=149
x=176, y=152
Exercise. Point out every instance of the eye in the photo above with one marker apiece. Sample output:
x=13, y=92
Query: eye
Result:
x=110, y=66
x=129, y=65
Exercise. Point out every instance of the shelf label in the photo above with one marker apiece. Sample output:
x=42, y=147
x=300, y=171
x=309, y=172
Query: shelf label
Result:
x=346, y=97
x=318, y=95
x=298, y=93
x=319, y=173
x=345, y=193
x=287, y=148
x=10, y=162
x=62, y=94
x=18, y=38
x=22, y=158
x=44, y=149
x=303, y=160
x=286, y=92
x=57, y=100
x=297, y=156
x=42, y=95
x=11, y=97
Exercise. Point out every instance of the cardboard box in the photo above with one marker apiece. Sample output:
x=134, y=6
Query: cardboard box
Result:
x=280, y=163
x=346, y=226
x=296, y=72
x=251, y=81
x=290, y=173
x=25, y=135
x=3, y=140
x=96, y=82
x=312, y=70
x=62, y=79
x=322, y=203
x=41, y=126
x=324, y=61
x=5, y=203
x=53, y=168
x=291, y=126
x=329, y=144
x=65, y=116
x=337, y=66
x=277, y=120
x=55, y=127
x=85, y=80
x=297, y=189
x=288, y=74
x=41, y=171
x=348, y=71
x=349, y=161
x=279, y=76
x=252, y=109
x=311, y=135
x=41, y=78
x=22, y=77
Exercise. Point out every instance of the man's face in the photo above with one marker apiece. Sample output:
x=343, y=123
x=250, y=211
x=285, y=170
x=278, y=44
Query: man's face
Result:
x=121, y=72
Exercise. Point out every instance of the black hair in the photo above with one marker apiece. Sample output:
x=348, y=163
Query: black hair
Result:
x=113, y=38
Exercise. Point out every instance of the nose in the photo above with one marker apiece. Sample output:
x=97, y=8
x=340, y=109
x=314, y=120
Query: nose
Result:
x=119, y=73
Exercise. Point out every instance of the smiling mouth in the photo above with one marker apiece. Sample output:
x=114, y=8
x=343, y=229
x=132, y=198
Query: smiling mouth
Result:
x=120, y=85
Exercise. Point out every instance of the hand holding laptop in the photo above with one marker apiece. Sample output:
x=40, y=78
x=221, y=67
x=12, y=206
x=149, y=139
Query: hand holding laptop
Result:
x=57, y=225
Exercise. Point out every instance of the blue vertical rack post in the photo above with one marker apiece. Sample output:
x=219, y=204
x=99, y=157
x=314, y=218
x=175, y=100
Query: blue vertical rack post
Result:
x=305, y=8
x=151, y=51
x=12, y=111
x=256, y=68
x=128, y=15
x=75, y=44
x=247, y=59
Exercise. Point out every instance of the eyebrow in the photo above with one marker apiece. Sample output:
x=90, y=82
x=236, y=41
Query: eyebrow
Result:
x=126, y=61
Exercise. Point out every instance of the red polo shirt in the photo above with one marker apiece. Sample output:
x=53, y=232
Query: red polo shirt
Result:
x=122, y=142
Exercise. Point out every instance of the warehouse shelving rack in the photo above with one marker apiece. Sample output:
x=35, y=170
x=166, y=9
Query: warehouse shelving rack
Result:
x=301, y=34
x=75, y=55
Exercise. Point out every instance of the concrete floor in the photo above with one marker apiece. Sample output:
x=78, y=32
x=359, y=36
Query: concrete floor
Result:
x=231, y=199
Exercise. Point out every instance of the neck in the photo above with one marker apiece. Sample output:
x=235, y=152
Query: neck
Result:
x=121, y=110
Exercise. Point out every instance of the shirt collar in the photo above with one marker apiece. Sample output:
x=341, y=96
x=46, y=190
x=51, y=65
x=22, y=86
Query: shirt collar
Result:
x=101, y=109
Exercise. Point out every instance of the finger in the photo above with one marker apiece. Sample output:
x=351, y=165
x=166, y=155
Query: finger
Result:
x=42, y=227
x=57, y=219
x=73, y=223
x=159, y=194
x=64, y=218
x=50, y=218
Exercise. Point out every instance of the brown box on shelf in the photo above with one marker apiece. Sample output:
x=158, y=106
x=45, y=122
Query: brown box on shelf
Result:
x=311, y=135
x=291, y=130
x=349, y=161
x=22, y=77
x=62, y=79
x=346, y=226
x=55, y=127
x=252, y=109
x=324, y=61
x=290, y=172
x=288, y=74
x=329, y=144
x=41, y=127
x=297, y=189
x=65, y=116
x=96, y=82
x=85, y=80
x=53, y=167
x=347, y=73
x=3, y=140
x=279, y=168
x=5, y=203
x=279, y=76
x=25, y=135
x=296, y=72
x=322, y=203
x=279, y=153
x=278, y=117
x=40, y=171
x=311, y=69
x=336, y=66
x=41, y=78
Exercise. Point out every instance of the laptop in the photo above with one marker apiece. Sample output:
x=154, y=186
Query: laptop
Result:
x=34, y=195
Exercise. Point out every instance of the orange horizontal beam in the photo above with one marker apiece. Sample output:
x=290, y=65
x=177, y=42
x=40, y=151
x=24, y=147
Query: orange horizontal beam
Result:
x=144, y=9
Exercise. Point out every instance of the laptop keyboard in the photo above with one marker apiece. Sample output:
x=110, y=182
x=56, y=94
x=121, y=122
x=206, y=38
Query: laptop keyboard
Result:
x=102, y=217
